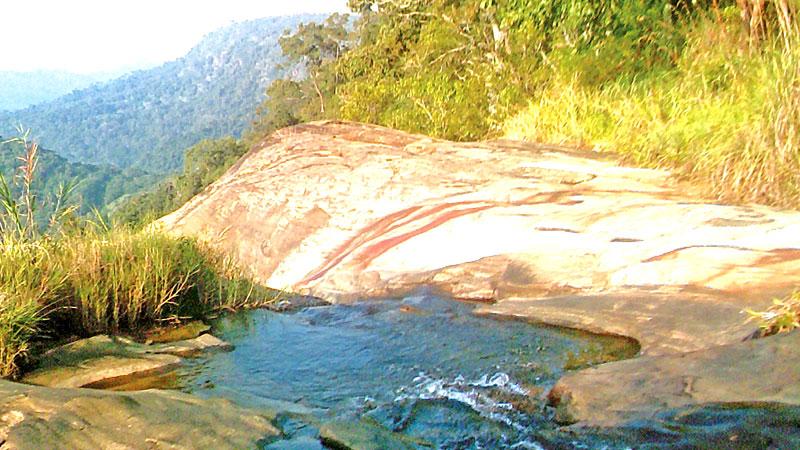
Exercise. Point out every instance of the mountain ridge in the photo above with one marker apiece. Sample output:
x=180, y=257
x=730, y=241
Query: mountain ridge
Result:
x=97, y=187
x=22, y=89
x=146, y=118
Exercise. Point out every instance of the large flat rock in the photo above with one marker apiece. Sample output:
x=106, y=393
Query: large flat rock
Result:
x=34, y=417
x=105, y=360
x=756, y=371
x=343, y=210
x=662, y=323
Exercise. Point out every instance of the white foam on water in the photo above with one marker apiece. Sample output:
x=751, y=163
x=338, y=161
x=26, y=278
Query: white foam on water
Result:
x=471, y=393
x=527, y=445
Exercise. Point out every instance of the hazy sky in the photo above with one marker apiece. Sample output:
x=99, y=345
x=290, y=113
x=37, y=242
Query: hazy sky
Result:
x=108, y=35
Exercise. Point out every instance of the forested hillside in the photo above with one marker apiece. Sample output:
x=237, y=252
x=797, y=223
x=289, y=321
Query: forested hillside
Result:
x=146, y=119
x=203, y=163
x=22, y=89
x=97, y=185
x=708, y=88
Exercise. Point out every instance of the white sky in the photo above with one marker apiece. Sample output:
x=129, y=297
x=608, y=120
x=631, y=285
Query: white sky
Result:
x=86, y=36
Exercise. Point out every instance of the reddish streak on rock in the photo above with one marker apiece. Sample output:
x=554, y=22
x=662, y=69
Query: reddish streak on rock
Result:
x=395, y=220
x=374, y=251
x=384, y=226
x=353, y=243
x=424, y=213
x=779, y=255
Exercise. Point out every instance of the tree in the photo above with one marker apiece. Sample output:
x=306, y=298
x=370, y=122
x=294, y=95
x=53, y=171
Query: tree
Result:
x=204, y=163
x=315, y=44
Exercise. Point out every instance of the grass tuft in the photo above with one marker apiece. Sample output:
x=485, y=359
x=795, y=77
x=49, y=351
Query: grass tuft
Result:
x=89, y=278
x=783, y=316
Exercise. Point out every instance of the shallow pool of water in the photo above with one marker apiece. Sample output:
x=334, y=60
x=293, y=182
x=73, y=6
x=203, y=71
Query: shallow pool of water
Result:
x=426, y=368
x=422, y=366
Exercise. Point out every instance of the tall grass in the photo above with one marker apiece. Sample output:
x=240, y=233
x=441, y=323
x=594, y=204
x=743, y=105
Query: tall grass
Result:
x=29, y=284
x=123, y=279
x=97, y=282
x=727, y=116
x=89, y=278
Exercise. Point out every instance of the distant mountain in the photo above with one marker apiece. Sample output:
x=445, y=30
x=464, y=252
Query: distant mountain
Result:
x=146, y=119
x=22, y=89
x=99, y=185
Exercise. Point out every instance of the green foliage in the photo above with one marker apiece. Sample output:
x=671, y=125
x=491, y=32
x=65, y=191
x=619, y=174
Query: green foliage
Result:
x=93, y=186
x=725, y=115
x=459, y=69
x=308, y=93
x=783, y=316
x=203, y=164
x=89, y=278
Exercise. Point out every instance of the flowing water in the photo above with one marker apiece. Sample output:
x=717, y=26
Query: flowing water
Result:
x=423, y=367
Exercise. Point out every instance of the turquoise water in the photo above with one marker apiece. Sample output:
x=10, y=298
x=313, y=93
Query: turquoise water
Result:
x=426, y=368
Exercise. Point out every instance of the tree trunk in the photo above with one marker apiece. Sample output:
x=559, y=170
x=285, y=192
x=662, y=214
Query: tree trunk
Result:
x=319, y=93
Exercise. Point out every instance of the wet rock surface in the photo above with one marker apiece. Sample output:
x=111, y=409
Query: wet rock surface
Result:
x=756, y=371
x=362, y=435
x=34, y=417
x=102, y=360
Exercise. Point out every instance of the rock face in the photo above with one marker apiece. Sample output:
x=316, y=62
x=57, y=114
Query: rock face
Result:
x=186, y=331
x=762, y=370
x=345, y=211
x=33, y=417
x=363, y=436
x=102, y=360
